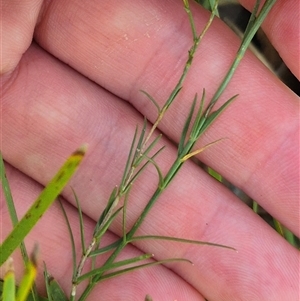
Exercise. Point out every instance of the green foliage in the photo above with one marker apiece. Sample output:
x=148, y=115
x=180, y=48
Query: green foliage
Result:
x=139, y=157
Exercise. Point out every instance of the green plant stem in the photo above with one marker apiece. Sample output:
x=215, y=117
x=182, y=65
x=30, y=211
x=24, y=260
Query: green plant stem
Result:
x=191, y=52
x=201, y=126
x=14, y=218
x=249, y=34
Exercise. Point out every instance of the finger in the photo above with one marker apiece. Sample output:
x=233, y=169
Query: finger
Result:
x=282, y=28
x=72, y=110
x=126, y=50
x=52, y=236
x=18, y=21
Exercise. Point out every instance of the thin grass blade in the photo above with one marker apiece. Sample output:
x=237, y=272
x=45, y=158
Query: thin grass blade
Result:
x=107, y=209
x=129, y=159
x=74, y=260
x=106, y=225
x=152, y=99
x=142, y=168
x=105, y=249
x=139, y=145
x=160, y=175
x=211, y=117
x=131, y=269
x=54, y=291
x=147, y=150
x=82, y=235
x=186, y=126
x=14, y=217
x=199, y=120
x=43, y=202
x=196, y=152
x=114, y=266
x=181, y=240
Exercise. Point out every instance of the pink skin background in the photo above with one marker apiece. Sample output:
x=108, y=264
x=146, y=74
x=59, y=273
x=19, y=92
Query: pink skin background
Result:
x=79, y=81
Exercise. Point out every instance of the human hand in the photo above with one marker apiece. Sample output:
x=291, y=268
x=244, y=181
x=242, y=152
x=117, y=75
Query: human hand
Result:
x=114, y=49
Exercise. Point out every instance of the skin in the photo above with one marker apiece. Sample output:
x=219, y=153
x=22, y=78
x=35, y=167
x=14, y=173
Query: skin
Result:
x=79, y=81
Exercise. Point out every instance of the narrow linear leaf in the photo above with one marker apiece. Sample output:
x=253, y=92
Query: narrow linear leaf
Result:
x=152, y=99
x=142, y=168
x=131, y=269
x=199, y=120
x=186, y=126
x=130, y=159
x=106, y=225
x=82, y=235
x=211, y=117
x=14, y=217
x=147, y=150
x=43, y=202
x=54, y=291
x=124, y=236
x=74, y=260
x=173, y=94
x=105, y=249
x=160, y=175
x=7, y=193
x=108, y=208
x=176, y=239
x=114, y=266
x=196, y=152
x=252, y=18
x=139, y=145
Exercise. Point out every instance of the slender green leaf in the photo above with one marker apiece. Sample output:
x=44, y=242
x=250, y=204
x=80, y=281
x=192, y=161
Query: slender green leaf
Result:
x=7, y=193
x=177, y=239
x=100, y=232
x=211, y=118
x=153, y=100
x=147, y=150
x=114, y=266
x=186, y=126
x=106, y=249
x=198, y=151
x=45, y=199
x=136, y=175
x=252, y=18
x=108, y=208
x=74, y=260
x=54, y=291
x=14, y=217
x=199, y=120
x=131, y=269
x=81, y=224
x=248, y=36
x=129, y=159
x=125, y=215
x=139, y=145
x=173, y=95
x=160, y=175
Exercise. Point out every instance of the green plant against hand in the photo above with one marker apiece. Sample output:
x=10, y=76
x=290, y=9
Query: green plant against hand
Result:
x=25, y=225
x=140, y=156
